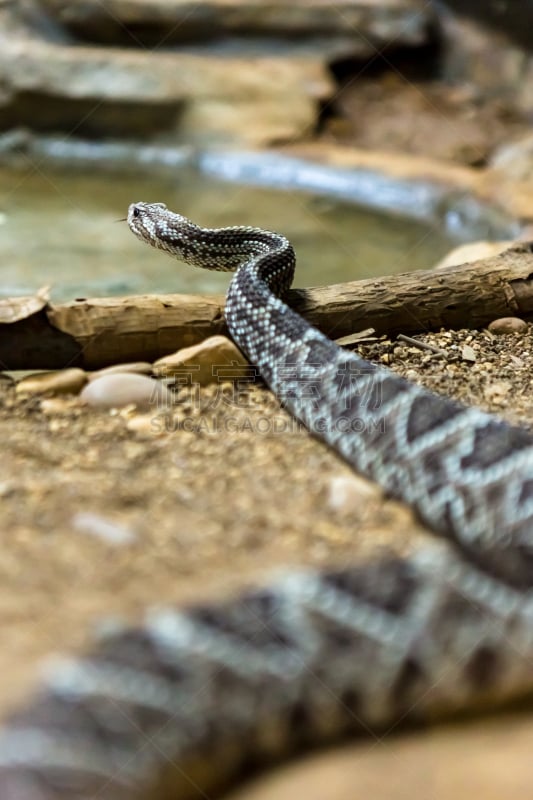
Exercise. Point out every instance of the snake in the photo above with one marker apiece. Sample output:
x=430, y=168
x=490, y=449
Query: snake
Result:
x=183, y=702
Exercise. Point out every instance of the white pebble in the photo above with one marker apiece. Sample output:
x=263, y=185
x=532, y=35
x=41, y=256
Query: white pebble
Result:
x=102, y=528
x=124, y=389
x=348, y=493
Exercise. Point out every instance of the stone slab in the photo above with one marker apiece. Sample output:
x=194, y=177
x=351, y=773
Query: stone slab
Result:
x=381, y=22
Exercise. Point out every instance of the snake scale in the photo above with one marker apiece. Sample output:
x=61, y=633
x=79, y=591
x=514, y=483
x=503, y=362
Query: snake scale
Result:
x=180, y=704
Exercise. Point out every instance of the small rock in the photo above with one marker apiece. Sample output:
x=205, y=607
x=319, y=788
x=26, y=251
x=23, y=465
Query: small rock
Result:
x=468, y=353
x=148, y=425
x=7, y=487
x=214, y=360
x=13, y=309
x=347, y=493
x=508, y=325
x=134, y=368
x=52, y=406
x=123, y=389
x=473, y=251
x=103, y=528
x=65, y=381
x=515, y=158
x=411, y=375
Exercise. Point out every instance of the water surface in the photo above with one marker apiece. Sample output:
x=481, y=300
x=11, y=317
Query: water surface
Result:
x=60, y=229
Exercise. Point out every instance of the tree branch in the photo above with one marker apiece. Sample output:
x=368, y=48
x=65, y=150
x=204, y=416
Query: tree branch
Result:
x=97, y=332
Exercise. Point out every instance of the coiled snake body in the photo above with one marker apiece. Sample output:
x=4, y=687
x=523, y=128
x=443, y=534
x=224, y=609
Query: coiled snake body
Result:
x=178, y=705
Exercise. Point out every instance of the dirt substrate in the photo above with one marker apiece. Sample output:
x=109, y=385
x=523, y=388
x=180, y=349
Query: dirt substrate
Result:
x=219, y=494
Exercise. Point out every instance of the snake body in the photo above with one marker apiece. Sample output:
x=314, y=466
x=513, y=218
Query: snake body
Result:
x=179, y=704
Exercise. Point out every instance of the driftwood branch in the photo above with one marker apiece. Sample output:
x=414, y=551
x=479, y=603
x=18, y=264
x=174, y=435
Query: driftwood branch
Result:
x=95, y=333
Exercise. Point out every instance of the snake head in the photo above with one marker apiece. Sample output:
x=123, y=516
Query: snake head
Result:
x=155, y=224
x=221, y=249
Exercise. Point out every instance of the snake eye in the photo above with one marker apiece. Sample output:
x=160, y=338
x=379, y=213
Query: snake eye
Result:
x=136, y=212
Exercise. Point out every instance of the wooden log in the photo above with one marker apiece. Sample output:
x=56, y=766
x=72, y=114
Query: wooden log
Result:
x=97, y=332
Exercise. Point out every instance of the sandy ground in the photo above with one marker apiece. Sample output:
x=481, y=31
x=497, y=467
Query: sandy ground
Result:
x=227, y=501
x=237, y=494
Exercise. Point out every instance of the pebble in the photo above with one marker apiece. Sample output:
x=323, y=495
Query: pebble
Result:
x=102, y=528
x=147, y=425
x=473, y=251
x=133, y=368
x=215, y=360
x=7, y=487
x=347, y=493
x=53, y=406
x=65, y=381
x=508, y=325
x=412, y=375
x=468, y=353
x=123, y=389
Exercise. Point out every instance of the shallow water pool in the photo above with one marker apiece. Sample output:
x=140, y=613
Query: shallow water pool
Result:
x=60, y=229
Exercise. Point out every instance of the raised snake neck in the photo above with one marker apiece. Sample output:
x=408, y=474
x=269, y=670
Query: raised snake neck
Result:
x=183, y=701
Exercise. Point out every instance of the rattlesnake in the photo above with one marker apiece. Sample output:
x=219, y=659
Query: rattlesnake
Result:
x=179, y=704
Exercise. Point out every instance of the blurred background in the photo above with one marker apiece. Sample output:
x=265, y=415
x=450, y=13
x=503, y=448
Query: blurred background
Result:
x=376, y=134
